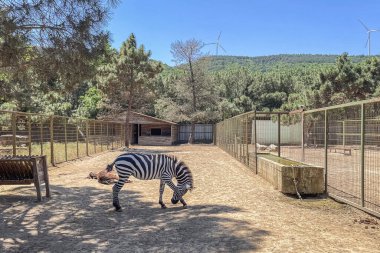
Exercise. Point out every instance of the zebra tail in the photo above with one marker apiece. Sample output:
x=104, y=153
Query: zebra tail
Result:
x=110, y=167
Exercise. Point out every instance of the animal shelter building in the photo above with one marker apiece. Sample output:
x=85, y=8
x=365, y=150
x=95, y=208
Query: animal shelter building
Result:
x=150, y=131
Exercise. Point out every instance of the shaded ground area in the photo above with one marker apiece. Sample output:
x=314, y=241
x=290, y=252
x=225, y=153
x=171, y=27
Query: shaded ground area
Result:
x=231, y=210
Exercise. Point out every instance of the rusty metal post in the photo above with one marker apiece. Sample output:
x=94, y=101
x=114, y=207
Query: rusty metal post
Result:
x=65, y=133
x=94, y=137
x=14, y=116
x=326, y=147
x=246, y=140
x=87, y=138
x=279, y=135
x=303, y=135
x=52, y=140
x=77, y=136
x=41, y=136
x=30, y=134
x=108, y=137
x=101, y=136
x=255, y=142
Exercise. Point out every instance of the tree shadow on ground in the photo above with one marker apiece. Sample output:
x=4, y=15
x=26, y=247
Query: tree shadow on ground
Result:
x=82, y=219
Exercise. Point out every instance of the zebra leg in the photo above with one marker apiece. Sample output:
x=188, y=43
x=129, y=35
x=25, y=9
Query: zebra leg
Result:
x=162, y=187
x=175, y=189
x=115, y=190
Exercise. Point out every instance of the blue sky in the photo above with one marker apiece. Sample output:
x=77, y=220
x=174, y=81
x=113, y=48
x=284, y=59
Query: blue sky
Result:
x=249, y=28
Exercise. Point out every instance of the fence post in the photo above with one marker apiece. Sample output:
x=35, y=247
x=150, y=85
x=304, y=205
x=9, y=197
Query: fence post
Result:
x=87, y=137
x=77, y=133
x=362, y=150
x=246, y=140
x=30, y=134
x=101, y=136
x=112, y=134
x=279, y=135
x=108, y=138
x=255, y=142
x=94, y=137
x=303, y=136
x=65, y=129
x=42, y=136
x=52, y=140
x=344, y=133
x=326, y=147
x=14, y=133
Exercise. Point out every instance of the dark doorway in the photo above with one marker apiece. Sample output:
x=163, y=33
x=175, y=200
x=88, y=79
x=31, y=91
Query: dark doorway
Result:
x=135, y=134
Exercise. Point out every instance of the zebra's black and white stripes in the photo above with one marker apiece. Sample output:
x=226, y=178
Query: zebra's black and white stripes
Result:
x=152, y=166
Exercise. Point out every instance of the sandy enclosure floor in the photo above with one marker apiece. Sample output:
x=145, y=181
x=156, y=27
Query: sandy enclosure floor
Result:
x=231, y=210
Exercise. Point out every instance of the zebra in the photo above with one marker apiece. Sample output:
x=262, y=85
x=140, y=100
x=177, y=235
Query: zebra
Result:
x=152, y=166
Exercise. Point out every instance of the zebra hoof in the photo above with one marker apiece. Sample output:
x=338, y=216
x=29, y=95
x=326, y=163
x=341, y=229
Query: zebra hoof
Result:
x=184, y=206
x=117, y=206
x=163, y=207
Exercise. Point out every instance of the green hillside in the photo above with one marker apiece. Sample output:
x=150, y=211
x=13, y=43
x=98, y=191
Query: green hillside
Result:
x=266, y=63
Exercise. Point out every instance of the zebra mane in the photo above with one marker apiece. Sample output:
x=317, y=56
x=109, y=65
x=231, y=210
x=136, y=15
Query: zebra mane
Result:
x=181, y=164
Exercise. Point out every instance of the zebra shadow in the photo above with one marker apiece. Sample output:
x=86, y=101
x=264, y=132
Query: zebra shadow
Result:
x=83, y=219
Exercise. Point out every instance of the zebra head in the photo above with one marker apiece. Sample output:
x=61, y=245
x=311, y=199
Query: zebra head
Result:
x=185, y=181
x=182, y=189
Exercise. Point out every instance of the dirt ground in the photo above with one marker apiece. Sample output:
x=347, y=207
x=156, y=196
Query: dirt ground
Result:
x=231, y=210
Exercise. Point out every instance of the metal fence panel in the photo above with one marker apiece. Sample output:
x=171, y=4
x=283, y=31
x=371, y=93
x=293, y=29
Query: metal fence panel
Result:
x=60, y=138
x=344, y=140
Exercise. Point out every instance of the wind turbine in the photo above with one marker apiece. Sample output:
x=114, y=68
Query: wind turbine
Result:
x=369, y=31
x=217, y=43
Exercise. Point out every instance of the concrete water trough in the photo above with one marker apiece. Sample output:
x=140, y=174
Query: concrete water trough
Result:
x=289, y=176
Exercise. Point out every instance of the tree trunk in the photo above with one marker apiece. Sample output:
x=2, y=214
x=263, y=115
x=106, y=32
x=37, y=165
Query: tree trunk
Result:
x=127, y=119
x=194, y=102
x=191, y=139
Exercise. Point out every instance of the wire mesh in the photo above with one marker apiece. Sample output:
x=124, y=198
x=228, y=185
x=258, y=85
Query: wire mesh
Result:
x=372, y=157
x=344, y=140
x=344, y=153
x=60, y=138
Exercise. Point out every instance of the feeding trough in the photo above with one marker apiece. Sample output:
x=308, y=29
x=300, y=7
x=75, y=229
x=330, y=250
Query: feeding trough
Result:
x=289, y=176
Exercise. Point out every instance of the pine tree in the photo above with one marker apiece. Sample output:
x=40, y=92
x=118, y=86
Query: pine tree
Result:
x=129, y=72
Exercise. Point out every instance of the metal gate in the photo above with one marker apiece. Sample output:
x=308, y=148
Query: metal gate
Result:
x=204, y=133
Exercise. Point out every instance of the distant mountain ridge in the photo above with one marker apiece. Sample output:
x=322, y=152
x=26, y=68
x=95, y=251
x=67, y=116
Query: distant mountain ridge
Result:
x=266, y=63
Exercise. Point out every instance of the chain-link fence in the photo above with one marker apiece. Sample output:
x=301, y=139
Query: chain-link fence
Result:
x=60, y=138
x=344, y=140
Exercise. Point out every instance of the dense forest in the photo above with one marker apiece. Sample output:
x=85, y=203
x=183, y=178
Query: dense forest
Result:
x=77, y=72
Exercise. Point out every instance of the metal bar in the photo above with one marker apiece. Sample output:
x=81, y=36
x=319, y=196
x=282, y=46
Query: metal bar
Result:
x=255, y=136
x=30, y=134
x=259, y=113
x=77, y=133
x=326, y=148
x=87, y=137
x=41, y=136
x=362, y=153
x=113, y=132
x=357, y=103
x=101, y=137
x=94, y=137
x=108, y=138
x=344, y=200
x=303, y=136
x=47, y=115
x=14, y=133
x=52, y=140
x=344, y=132
x=65, y=129
x=279, y=135
x=246, y=141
